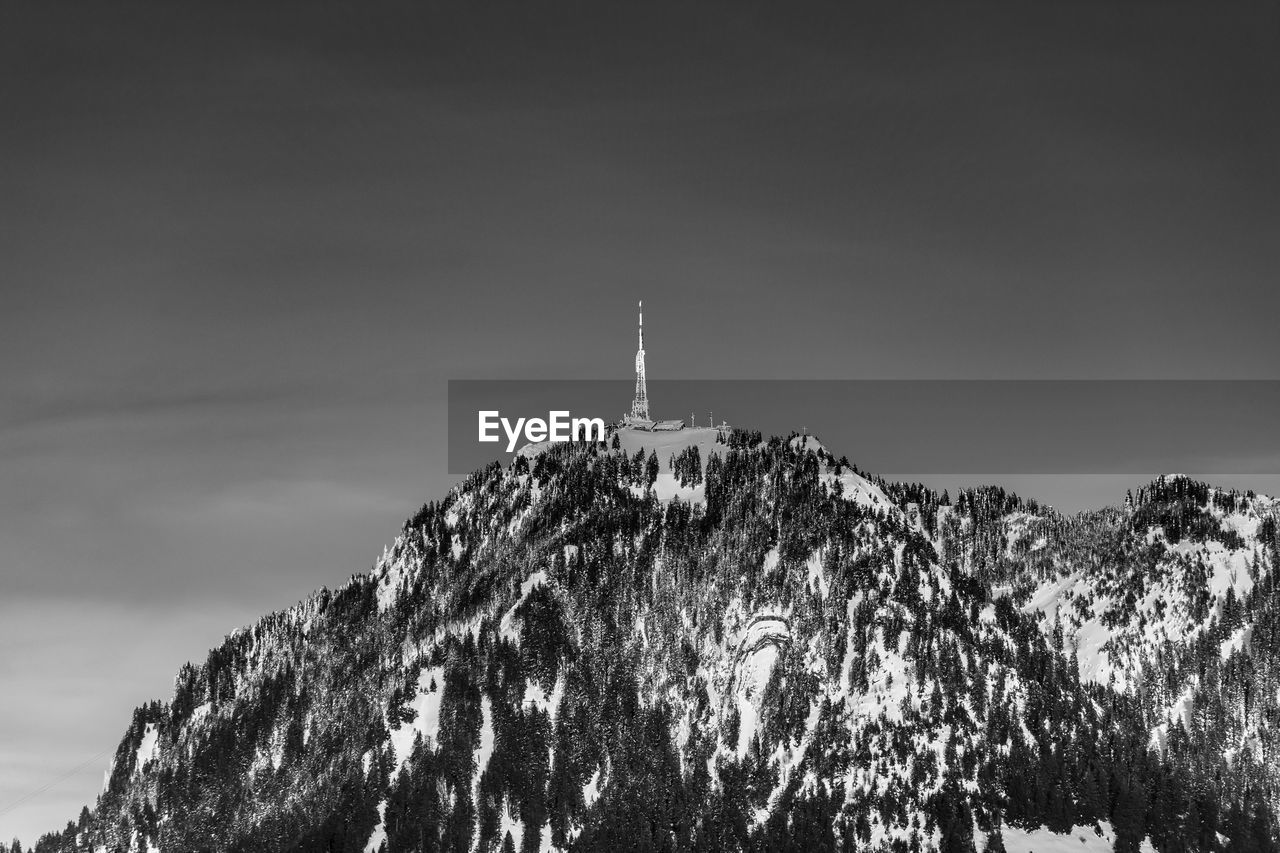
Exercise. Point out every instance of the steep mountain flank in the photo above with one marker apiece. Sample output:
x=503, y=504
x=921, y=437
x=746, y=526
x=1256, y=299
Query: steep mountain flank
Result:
x=708, y=641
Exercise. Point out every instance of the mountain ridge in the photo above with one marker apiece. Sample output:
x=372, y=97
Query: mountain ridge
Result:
x=758, y=656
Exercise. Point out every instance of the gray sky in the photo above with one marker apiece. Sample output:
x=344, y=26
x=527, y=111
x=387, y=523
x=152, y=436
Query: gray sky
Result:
x=243, y=247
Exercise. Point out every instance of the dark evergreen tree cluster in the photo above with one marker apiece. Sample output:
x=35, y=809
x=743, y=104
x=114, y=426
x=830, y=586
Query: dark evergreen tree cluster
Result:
x=687, y=467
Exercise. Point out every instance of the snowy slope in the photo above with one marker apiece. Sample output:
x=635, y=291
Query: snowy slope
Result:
x=784, y=655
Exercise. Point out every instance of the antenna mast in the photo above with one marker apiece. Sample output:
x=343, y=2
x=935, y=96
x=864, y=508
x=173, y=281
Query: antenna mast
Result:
x=640, y=405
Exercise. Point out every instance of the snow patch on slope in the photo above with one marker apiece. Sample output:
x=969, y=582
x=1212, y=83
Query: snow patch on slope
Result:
x=379, y=834
x=426, y=703
x=484, y=751
x=508, y=625
x=1081, y=839
x=148, y=749
x=758, y=653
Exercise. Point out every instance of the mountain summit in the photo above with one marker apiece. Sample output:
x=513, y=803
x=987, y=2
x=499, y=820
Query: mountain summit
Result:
x=709, y=641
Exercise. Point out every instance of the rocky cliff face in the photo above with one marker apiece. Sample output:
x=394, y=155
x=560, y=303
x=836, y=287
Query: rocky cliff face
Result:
x=706, y=641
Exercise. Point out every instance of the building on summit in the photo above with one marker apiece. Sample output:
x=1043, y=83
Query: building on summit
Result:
x=638, y=417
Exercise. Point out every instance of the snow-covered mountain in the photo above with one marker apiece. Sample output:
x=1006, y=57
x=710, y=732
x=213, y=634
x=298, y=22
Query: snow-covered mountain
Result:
x=708, y=641
x=1171, y=600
